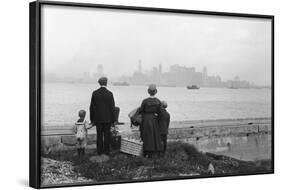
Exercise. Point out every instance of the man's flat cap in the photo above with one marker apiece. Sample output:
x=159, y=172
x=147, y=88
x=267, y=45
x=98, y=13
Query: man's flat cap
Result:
x=103, y=81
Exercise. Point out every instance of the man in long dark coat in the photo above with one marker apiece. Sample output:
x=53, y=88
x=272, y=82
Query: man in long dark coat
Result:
x=102, y=114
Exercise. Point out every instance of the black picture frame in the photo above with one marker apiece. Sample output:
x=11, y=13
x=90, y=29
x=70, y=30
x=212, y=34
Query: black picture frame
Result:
x=35, y=82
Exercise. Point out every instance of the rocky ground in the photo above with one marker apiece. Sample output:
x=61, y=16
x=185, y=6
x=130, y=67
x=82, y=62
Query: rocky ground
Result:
x=181, y=159
x=59, y=172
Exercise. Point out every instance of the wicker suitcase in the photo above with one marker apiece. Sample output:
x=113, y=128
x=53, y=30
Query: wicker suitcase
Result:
x=131, y=146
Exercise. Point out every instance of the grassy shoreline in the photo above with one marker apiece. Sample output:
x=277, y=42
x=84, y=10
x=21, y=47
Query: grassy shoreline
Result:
x=181, y=159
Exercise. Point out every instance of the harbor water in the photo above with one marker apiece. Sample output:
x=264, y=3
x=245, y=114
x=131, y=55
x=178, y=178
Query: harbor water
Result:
x=62, y=101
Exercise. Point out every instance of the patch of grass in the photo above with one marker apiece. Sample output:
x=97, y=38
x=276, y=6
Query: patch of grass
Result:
x=180, y=159
x=224, y=165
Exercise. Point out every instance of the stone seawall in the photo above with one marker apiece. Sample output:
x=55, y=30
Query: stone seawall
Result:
x=245, y=139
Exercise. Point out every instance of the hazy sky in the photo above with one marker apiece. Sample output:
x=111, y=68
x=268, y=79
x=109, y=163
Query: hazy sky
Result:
x=76, y=40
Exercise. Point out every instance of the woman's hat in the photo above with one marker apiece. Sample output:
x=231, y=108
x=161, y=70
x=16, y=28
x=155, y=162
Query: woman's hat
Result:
x=152, y=89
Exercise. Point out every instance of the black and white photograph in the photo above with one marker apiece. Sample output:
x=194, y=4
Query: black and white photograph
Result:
x=136, y=94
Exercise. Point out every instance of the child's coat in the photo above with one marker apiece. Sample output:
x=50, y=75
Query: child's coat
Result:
x=81, y=133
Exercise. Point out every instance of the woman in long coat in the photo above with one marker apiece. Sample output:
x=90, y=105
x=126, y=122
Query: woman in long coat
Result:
x=149, y=128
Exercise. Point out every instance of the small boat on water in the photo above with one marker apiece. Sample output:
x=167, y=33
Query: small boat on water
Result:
x=193, y=87
x=121, y=84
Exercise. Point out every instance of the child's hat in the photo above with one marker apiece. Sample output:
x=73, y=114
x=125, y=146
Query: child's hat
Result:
x=82, y=113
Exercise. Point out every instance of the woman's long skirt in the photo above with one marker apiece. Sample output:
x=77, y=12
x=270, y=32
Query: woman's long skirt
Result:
x=150, y=133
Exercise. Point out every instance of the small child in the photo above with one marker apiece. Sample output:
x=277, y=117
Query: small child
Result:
x=81, y=131
x=164, y=122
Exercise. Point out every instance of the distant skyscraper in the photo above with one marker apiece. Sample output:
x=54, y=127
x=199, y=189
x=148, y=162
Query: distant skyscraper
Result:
x=160, y=68
x=140, y=67
x=236, y=78
x=205, y=76
x=205, y=73
x=100, y=70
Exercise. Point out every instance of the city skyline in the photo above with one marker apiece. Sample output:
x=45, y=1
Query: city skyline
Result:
x=228, y=46
x=119, y=77
x=184, y=76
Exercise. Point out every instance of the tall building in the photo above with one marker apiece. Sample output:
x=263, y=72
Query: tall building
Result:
x=140, y=67
x=236, y=78
x=205, y=73
x=205, y=76
x=160, y=68
x=99, y=70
